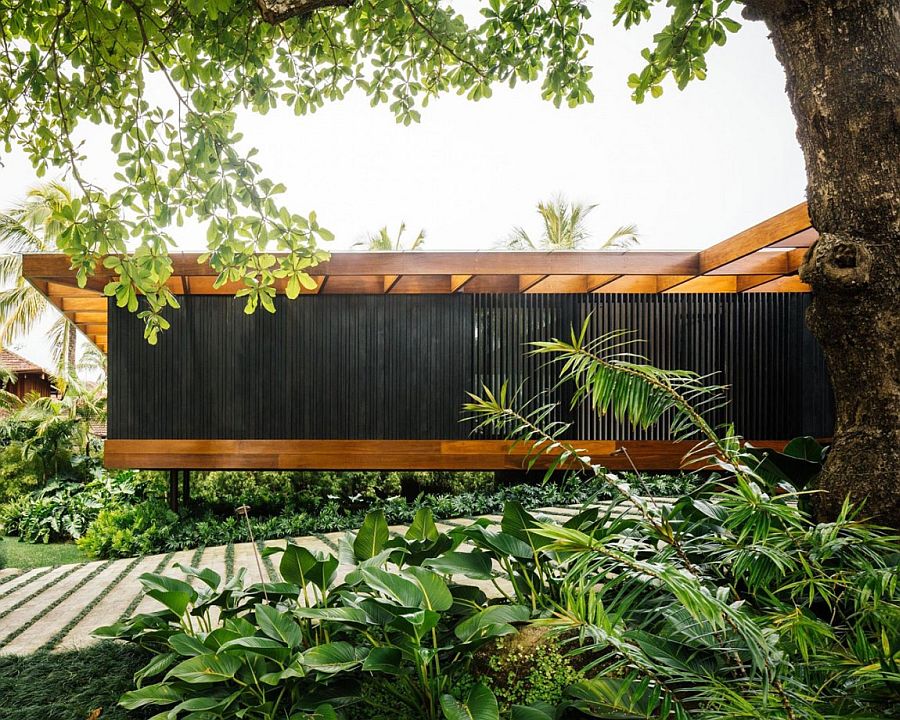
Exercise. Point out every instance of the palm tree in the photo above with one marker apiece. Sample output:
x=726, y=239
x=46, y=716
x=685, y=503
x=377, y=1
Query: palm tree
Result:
x=31, y=227
x=381, y=240
x=565, y=229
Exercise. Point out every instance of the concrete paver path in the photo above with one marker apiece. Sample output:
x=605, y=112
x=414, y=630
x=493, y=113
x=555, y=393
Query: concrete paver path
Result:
x=58, y=608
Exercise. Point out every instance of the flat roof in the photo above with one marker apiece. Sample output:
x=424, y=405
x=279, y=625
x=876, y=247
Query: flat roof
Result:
x=763, y=258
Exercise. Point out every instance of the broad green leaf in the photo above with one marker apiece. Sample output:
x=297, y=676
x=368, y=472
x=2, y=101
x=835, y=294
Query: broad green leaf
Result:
x=206, y=669
x=371, y=537
x=479, y=704
x=422, y=527
x=436, y=595
x=334, y=657
x=475, y=565
x=403, y=591
x=492, y=621
x=384, y=659
x=158, y=694
x=278, y=625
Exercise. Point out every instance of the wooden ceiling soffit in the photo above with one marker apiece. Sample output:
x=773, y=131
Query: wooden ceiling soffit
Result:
x=560, y=284
x=630, y=284
x=706, y=284
x=787, y=283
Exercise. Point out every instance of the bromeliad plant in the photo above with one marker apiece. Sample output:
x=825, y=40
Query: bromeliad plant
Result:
x=730, y=602
x=302, y=646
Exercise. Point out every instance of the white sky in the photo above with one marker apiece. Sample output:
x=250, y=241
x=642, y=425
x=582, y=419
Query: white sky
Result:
x=690, y=169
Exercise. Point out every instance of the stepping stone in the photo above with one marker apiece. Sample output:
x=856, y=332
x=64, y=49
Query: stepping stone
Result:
x=8, y=573
x=36, y=606
x=34, y=582
x=19, y=580
x=52, y=622
x=245, y=557
x=110, y=607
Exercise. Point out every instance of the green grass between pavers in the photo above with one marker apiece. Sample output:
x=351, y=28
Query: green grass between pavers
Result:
x=69, y=685
x=22, y=555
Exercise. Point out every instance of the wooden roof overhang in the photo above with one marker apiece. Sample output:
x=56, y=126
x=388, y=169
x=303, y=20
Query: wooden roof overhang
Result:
x=764, y=258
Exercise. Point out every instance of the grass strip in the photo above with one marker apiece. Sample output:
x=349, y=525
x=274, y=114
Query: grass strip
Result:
x=69, y=626
x=229, y=561
x=32, y=596
x=37, y=576
x=267, y=562
x=11, y=576
x=331, y=544
x=132, y=606
x=56, y=603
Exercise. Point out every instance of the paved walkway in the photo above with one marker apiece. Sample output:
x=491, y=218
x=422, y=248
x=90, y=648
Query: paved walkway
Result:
x=58, y=608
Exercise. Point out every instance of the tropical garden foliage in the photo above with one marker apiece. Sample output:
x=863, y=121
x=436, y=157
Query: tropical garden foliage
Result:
x=726, y=602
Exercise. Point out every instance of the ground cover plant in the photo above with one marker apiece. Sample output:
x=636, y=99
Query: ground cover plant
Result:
x=69, y=685
x=727, y=602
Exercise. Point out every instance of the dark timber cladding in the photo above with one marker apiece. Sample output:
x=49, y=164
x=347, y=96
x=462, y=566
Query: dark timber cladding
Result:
x=397, y=367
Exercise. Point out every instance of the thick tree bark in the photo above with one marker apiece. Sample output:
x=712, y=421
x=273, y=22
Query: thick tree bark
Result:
x=276, y=11
x=842, y=62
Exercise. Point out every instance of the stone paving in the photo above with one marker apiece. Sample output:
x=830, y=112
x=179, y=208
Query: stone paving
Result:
x=58, y=608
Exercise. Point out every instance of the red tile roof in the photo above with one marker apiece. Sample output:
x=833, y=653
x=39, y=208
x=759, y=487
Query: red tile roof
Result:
x=17, y=364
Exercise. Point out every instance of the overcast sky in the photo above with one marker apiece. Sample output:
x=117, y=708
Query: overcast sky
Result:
x=689, y=169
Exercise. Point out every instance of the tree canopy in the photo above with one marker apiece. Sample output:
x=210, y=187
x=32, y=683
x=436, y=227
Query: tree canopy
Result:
x=168, y=77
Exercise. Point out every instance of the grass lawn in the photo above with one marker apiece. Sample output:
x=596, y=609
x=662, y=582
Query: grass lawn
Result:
x=70, y=685
x=15, y=554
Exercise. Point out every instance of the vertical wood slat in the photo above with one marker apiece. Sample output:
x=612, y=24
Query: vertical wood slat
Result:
x=398, y=366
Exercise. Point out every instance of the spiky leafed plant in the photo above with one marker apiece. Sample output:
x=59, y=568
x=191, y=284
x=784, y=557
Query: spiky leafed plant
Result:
x=382, y=240
x=729, y=602
x=32, y=226
x=565, y=228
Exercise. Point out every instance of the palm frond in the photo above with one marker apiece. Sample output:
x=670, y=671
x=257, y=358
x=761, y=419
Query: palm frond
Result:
x=623, y=237
x=21, y=307
x=612, y=377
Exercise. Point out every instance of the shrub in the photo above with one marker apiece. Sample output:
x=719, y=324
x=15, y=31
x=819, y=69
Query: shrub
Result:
x=63, y=509
x=16, y=475
x=128, y=530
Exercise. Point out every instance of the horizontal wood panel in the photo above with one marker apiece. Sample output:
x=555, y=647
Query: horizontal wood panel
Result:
x=382, y=454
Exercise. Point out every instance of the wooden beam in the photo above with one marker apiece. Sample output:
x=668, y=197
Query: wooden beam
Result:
x=595, y=282
x=457, y=281
x=759, y=236
x=560, y=284
x=706, y=284
x=788, y=283
x=630, y=284
x=526, y=282
x=55, y=267
x=748, y=282
x=381, y=454
x=389, y=282
x=96, y=303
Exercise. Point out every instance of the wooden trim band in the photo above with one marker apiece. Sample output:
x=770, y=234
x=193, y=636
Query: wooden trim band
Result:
x=380, y=454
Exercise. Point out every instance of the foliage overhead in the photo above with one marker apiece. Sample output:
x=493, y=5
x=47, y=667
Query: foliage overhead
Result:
x=170, y=77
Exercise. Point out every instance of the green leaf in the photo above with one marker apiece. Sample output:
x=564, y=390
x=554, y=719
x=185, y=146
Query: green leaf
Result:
x=371, y=537
x=334, y=657
x=475, y=564
x=384, y=659
x=278, y=625
x=480, y=704
x=436, y=595
x=423, y=527
x=404, y=592
x=493, y=621
x=205, y=669
x=158, y=694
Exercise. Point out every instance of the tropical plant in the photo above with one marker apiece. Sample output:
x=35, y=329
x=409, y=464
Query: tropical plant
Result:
x=300, y=647
x=33, y=226
x=565, y=228
x=382, y=240
x=729, y=602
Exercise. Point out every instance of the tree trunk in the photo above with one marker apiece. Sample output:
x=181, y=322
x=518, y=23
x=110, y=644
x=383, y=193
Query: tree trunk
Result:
x=842, y=62
x=71, y=341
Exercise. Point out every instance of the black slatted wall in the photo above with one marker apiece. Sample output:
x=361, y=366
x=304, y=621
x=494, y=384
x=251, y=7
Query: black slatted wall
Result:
x=398, y=366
